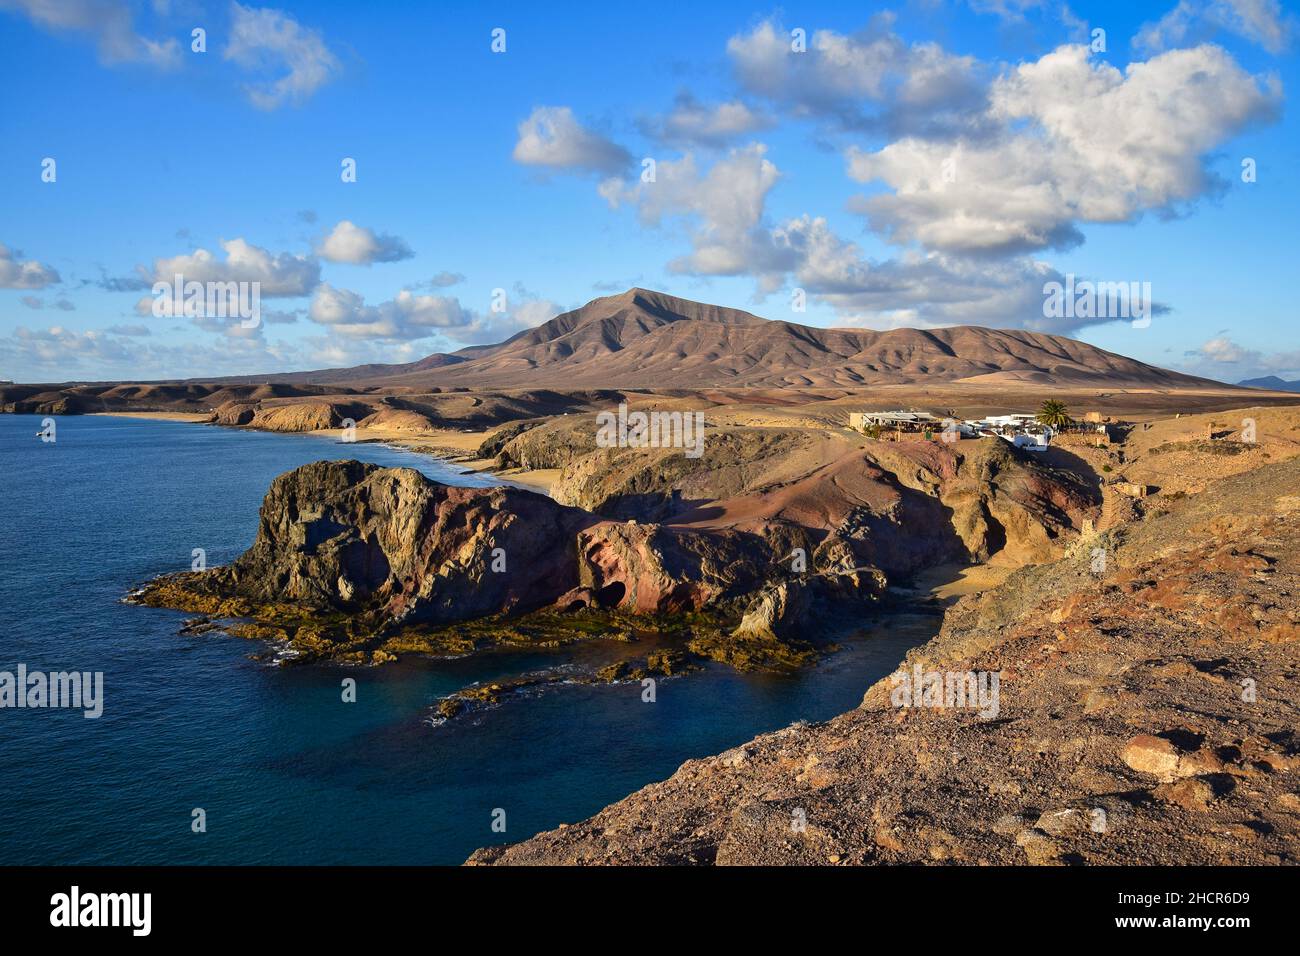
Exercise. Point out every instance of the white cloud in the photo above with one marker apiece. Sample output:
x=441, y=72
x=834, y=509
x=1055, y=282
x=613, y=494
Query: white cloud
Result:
x=1010, y=11
x=1225, y=350
x=915, y=289
x=724, y=212
x=723, y=207
x=280, y=274
x=109, y=22
x=273, y=42
x=348, y=242
x=1259, y=21
x=869, y=80
x=57, y=354
x=406, y=316
x=491, y=327
x=1222, y=358
x=692, y=123
x=1079, y=142
x=24, y=275
x=552, y=137
x=57, y=346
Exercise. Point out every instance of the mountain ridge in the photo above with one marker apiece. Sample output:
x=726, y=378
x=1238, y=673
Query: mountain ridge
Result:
x=1273, y=383
x=644, y=338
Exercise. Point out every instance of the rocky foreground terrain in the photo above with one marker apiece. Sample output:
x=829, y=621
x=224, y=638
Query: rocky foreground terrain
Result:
x=752, y=541
x=1146, y=714
x=1139, y=647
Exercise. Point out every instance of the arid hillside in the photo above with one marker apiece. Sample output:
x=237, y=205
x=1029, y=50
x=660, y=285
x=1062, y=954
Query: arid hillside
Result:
x=1146, y=714
x=646, y=339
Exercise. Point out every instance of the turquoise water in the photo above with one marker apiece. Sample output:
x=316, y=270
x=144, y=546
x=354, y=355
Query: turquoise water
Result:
x=286, y=772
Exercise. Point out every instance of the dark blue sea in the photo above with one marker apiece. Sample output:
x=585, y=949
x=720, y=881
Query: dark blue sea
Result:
x=286, y=772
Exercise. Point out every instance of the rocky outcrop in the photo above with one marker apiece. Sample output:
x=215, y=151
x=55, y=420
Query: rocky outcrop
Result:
x=353, y=561
x=794, y=609
x=550, y=445
x=391, y=547
x=234, y=412
x=1003, y=502
x=307, y=416
x=491, y=446
x=398, y=419
x=648, y=568
x=655, y=484
x=1144, y=715
x=386, y=549
x=36, y=401
x=908, y=506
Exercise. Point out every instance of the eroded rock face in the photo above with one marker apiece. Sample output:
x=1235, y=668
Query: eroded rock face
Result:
x=908, y=506
x=997, y=501
x=234, y=413
x=357, y=537
x=552, y=444
x=648, y=568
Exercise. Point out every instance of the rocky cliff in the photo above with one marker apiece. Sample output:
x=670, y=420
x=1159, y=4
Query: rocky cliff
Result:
x=1145, y=713
x=394, y=547
x=350, y=558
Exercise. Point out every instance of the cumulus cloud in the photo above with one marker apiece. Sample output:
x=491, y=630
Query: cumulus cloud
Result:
x=1223, y=349
x=692, y=123
x=722, y=207
x=294, y=59
x=915, y=289
x=60, y=347
x=29, y=274
x=406, y=316
x=280, y=274
x=552, y=137
x=871, y=80
x=109, y=22
x=1054, y=163
x=1224, y=359
x=60, y=354
x=492, y=327
x=351, y=243
x=1259, y=21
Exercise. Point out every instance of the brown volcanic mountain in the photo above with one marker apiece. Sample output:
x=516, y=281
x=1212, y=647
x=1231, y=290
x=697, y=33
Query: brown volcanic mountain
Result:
x=645, y=339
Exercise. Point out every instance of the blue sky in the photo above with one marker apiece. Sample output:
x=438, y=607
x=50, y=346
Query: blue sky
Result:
x=776, y=170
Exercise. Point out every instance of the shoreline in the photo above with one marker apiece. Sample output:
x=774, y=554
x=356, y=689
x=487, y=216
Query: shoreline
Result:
x=434, y=444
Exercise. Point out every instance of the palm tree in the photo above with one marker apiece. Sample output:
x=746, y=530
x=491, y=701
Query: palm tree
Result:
x=1053, y=414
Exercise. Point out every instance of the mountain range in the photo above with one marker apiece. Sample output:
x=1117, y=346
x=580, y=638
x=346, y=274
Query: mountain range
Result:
x=1272, y=383
x=646, y=339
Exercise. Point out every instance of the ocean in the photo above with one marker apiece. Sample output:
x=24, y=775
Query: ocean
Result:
x=284, y=771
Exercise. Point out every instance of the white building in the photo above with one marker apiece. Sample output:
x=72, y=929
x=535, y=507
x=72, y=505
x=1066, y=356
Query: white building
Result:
x=897, y=419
